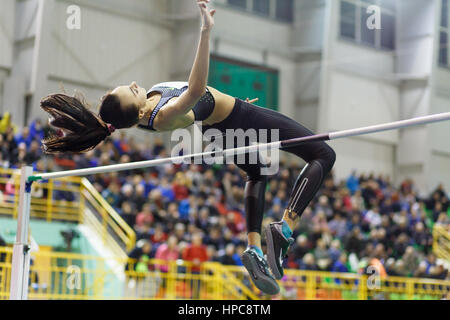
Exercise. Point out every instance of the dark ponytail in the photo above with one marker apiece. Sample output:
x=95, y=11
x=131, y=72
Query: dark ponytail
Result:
x=84, y=129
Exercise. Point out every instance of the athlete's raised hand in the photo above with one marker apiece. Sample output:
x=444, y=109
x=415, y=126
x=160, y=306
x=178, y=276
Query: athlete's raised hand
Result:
x=251, y=101
x=207, y=14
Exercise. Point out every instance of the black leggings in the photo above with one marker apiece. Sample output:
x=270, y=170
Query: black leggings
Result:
x=319, y=156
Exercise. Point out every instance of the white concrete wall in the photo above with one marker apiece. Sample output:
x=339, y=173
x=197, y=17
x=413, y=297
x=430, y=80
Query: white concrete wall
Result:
x=7, y=18
x=309, y=24
x=308, y=41
x=118, y=42
x=439, y=143
x=414, y=65
x=250, y=38
x=357, y=89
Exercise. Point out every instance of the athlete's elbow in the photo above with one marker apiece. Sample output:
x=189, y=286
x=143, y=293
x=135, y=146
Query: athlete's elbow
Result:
x=196, y=92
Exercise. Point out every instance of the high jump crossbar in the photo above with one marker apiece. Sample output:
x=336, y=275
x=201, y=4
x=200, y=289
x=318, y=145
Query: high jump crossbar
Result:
x=21, y=256
x=247, y=149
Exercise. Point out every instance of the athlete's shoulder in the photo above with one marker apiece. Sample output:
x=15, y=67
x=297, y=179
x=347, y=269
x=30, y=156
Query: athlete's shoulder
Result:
x=172, y=84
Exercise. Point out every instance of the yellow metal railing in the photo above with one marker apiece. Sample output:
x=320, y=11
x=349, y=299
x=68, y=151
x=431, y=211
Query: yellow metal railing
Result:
x=54, y=200
x=72, y=276
x=441, y=242
x=56, y=275
x=70, y=199
x=318, y=285
x=105, y=220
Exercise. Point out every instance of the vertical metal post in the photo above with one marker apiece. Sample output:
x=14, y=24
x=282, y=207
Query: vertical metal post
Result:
x=21, y=256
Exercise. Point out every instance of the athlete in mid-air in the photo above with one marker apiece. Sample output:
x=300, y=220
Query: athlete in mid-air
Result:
x=171, y=105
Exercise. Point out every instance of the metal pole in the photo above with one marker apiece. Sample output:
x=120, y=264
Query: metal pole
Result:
x=253, y=148
x=21, y=256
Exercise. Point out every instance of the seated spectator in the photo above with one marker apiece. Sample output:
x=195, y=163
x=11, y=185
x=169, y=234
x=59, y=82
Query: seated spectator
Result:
x=275, y=211
x=373, y=217
x=145, y=231
x=145, y=217
x=338, y=226
x=227, y=258
x=36, y=130
x=400, y=268
x=411, y=260
x=299, y=249
x=421, y=271
x=166, y=190
x=157, y=200
x=128, y=214
x=24, y=137
x=306, y=222
x=421, y=237
x=214, y=238
x=354, y=242
x=158, y=236
x=390, y=267
x=180, y=232
x=358, y=201
x=139, y=197
x=168, y=252
x=112, y=195
x=172, y=215
x=335, y=250
x=308, y=262
x=143, y=247
x=195, y=252
x=212, y=254
x=239, y=251
x=127, y=193
x=340, y=265
x=181, y=186
x=431, y=261
x=33, y=154
x=353, y=182
x=203, y=222
x=321, y=255
x=186, y=206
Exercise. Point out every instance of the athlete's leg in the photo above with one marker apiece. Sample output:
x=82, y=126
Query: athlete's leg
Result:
x=253, y=257
x=320, y=159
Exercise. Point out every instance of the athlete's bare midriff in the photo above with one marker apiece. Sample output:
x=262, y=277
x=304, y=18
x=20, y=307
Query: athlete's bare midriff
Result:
x=224, y=104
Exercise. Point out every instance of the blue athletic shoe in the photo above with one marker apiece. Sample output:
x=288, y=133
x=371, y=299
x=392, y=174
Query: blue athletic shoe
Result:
x=258, y=270
x=278, y=244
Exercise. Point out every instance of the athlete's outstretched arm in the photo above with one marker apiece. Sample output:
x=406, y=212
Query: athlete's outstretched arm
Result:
x=199, y=73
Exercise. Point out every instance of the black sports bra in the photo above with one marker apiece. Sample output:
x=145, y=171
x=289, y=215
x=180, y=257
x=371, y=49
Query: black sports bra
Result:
x=202, y=110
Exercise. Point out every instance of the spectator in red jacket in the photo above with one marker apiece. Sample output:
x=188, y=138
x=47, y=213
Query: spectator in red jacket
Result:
x=196, y=252
x=181, y=186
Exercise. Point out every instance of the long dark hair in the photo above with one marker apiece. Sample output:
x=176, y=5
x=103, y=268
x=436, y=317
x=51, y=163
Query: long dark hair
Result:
x=83, y=129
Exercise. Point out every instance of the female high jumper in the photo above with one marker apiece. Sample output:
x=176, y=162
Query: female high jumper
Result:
x=172, y=105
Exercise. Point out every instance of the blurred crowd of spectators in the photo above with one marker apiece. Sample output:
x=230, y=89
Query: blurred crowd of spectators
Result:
x=196, y=212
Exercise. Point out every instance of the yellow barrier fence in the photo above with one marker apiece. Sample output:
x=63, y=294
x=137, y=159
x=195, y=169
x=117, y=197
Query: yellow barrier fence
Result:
x=55, y=275
x=71, y=199
x=441, y=242
x=318, y=285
